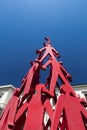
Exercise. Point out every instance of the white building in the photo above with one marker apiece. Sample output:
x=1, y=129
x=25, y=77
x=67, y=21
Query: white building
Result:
x=6, y=92
x=81, y=90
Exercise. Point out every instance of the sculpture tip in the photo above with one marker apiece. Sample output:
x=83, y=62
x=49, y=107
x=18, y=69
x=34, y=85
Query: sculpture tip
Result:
x=48, y=41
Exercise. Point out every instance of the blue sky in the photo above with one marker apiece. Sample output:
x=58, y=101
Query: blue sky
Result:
x=25, y=23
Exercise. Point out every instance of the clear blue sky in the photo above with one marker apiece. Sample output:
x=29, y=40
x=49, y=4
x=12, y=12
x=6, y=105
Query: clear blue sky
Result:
x=25, y=23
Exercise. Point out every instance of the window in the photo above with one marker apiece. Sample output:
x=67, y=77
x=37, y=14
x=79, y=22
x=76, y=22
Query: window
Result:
x=1, y=94
x=85, y=94
x=1, y=110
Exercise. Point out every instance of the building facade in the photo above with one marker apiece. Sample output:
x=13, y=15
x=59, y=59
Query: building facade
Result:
x=6, y=93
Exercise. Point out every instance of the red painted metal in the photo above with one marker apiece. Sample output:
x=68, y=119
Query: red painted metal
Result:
x=35, y=105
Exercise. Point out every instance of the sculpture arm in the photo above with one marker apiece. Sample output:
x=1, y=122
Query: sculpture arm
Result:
x=55, y=51
x=48, y=108
x=39, y=51
x=57, y=113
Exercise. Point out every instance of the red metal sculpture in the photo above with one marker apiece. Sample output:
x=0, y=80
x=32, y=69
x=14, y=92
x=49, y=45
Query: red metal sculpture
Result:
x=35, y=105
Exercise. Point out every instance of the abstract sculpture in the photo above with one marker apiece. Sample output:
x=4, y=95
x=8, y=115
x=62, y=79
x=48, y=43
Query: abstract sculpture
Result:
x=31, y=106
